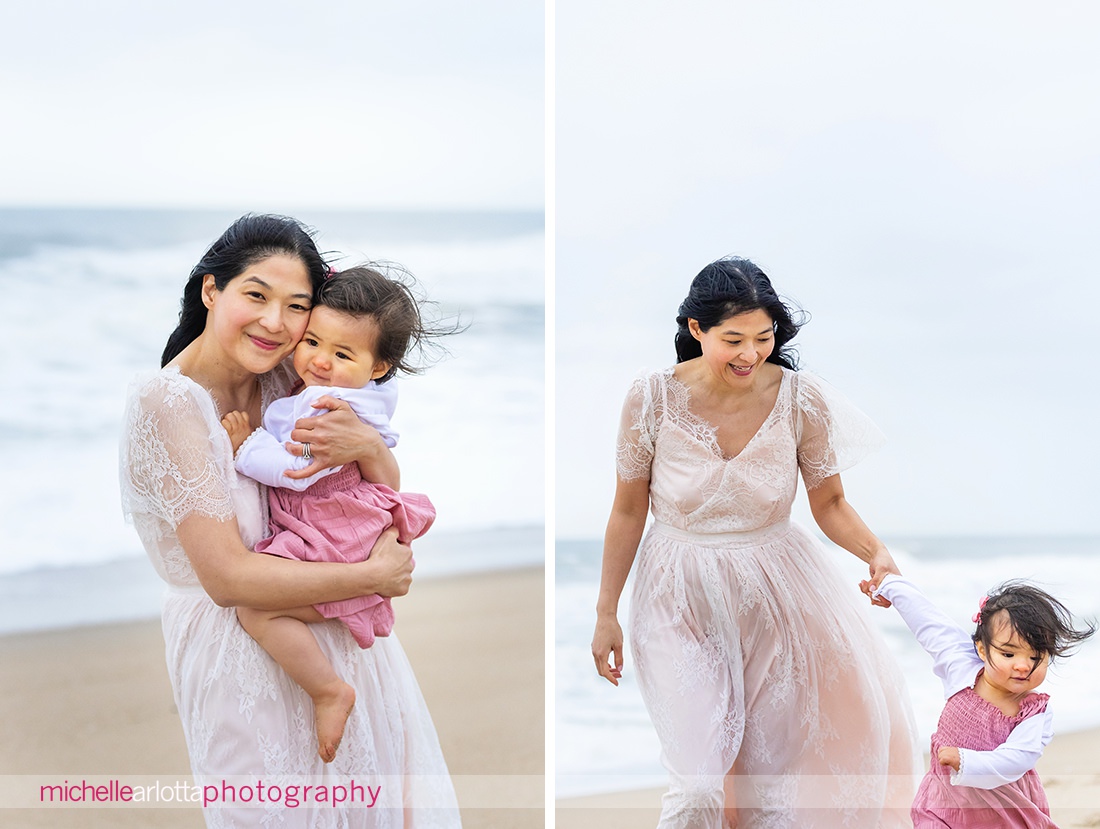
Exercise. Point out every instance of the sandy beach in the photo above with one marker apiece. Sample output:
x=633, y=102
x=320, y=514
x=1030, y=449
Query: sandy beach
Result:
x=95, y=702
x=1069, y=769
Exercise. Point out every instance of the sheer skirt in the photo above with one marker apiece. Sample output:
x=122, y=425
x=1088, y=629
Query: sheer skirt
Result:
x=766, y=685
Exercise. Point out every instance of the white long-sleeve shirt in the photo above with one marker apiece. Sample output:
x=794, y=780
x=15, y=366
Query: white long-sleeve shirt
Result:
x=263, y=456
x=956, y=663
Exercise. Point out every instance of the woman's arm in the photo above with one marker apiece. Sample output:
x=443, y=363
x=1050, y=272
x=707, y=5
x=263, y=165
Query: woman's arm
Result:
x=338, y=437
x=235, y=576
x=843, y=526
x=621, y=540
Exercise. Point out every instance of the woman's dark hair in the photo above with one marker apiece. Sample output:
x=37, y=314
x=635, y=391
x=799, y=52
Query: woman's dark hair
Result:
x=1040, y=619
x=250, y=239
x=393, y=304
x=729, y=287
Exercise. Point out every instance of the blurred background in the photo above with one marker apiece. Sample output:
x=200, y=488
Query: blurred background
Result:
x=134, y=133
x=923, y=180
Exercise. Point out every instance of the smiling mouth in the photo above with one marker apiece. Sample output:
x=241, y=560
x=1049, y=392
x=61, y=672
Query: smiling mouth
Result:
x=266, y=345
x=741, y=370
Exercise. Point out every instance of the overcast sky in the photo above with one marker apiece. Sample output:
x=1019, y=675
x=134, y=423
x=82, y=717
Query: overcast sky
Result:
x=923, y=178
x=212, y=103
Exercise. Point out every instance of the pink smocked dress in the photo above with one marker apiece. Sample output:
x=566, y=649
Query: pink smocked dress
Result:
x=968, y=721
x=996, y=786
x=335, y=518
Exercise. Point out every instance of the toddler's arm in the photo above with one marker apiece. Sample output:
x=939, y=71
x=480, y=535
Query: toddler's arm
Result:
x=1009, y=761
x=954, y=658
x=264, y=458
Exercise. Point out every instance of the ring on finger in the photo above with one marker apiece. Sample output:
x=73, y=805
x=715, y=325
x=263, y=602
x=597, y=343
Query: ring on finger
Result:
x=306, y=453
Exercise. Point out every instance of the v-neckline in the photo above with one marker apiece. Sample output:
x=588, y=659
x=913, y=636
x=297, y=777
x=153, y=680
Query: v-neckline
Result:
x=261, y=382
x=712, y=430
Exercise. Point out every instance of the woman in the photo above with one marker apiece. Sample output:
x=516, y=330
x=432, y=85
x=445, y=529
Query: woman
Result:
x=245, y=306
x=774, y=701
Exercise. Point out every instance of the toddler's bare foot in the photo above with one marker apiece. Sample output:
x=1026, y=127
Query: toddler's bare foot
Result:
x=330, y=714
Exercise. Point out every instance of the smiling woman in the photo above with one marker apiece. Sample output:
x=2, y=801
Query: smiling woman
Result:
x=768, y=690
x=245, y=307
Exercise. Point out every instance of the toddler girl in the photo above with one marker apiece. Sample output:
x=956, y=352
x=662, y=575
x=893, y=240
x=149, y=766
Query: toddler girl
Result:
x=360, y=330
x=994, y=726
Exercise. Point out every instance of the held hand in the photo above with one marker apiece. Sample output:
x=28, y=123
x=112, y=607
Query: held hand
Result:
x=881, y=565
x=335, y=438
x=950, y=757
x=608, y=640
x=393, y=565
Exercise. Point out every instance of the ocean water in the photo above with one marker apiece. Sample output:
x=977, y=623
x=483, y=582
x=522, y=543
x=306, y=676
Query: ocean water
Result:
x=604, y=740
x=91, y=296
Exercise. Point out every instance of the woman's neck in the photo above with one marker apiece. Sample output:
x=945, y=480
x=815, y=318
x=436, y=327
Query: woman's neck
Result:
x=232, y=386
x=699, y=377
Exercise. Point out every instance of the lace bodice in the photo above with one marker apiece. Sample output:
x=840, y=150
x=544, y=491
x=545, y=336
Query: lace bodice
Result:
x=176, y=460
x=694, y=487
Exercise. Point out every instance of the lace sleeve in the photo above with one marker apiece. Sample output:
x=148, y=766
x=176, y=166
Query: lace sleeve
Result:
x=172, y=461
x=637, y=431
x=833, y=435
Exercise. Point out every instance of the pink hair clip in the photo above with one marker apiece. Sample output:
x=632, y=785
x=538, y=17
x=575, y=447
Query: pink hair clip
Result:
x=981, y=605
x=331, y=272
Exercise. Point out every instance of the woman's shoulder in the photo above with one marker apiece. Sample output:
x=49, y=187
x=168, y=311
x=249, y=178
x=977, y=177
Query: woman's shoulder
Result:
x=168, y=398
x=813, y=392
x=650, y=384
x=167, y=387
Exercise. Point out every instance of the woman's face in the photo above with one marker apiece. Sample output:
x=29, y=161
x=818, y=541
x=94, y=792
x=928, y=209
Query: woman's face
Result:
x=735, y=348
x=260, y=315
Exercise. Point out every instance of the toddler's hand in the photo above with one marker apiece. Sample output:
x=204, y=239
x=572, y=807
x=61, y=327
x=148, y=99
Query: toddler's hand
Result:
x=238, y=427
x=950, y=757
x=869, y=591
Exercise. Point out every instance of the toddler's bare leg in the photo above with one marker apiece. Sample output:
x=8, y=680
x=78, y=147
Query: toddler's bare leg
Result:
x=285, y=635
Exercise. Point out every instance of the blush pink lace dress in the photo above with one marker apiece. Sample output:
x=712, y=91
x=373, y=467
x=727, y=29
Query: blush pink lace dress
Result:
x=244, y=720
x=753, y=656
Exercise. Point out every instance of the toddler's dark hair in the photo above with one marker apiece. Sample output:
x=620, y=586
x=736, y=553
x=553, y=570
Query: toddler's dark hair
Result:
x=1040, y=619
x=390, y=300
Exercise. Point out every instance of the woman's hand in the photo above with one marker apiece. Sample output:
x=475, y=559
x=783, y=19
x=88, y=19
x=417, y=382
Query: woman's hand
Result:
x=608, y=640
x=391, y=564
x=335, y=438
x=881, y=565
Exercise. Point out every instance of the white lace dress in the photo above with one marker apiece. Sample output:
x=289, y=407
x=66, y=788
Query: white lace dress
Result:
x=246, y=723
x=751, y=652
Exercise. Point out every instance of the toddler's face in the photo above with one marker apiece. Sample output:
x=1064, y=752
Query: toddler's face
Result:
x=338, y=350
x=1011, y=664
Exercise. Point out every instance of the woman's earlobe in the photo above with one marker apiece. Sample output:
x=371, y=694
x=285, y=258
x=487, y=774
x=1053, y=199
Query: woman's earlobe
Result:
x=694, y=329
